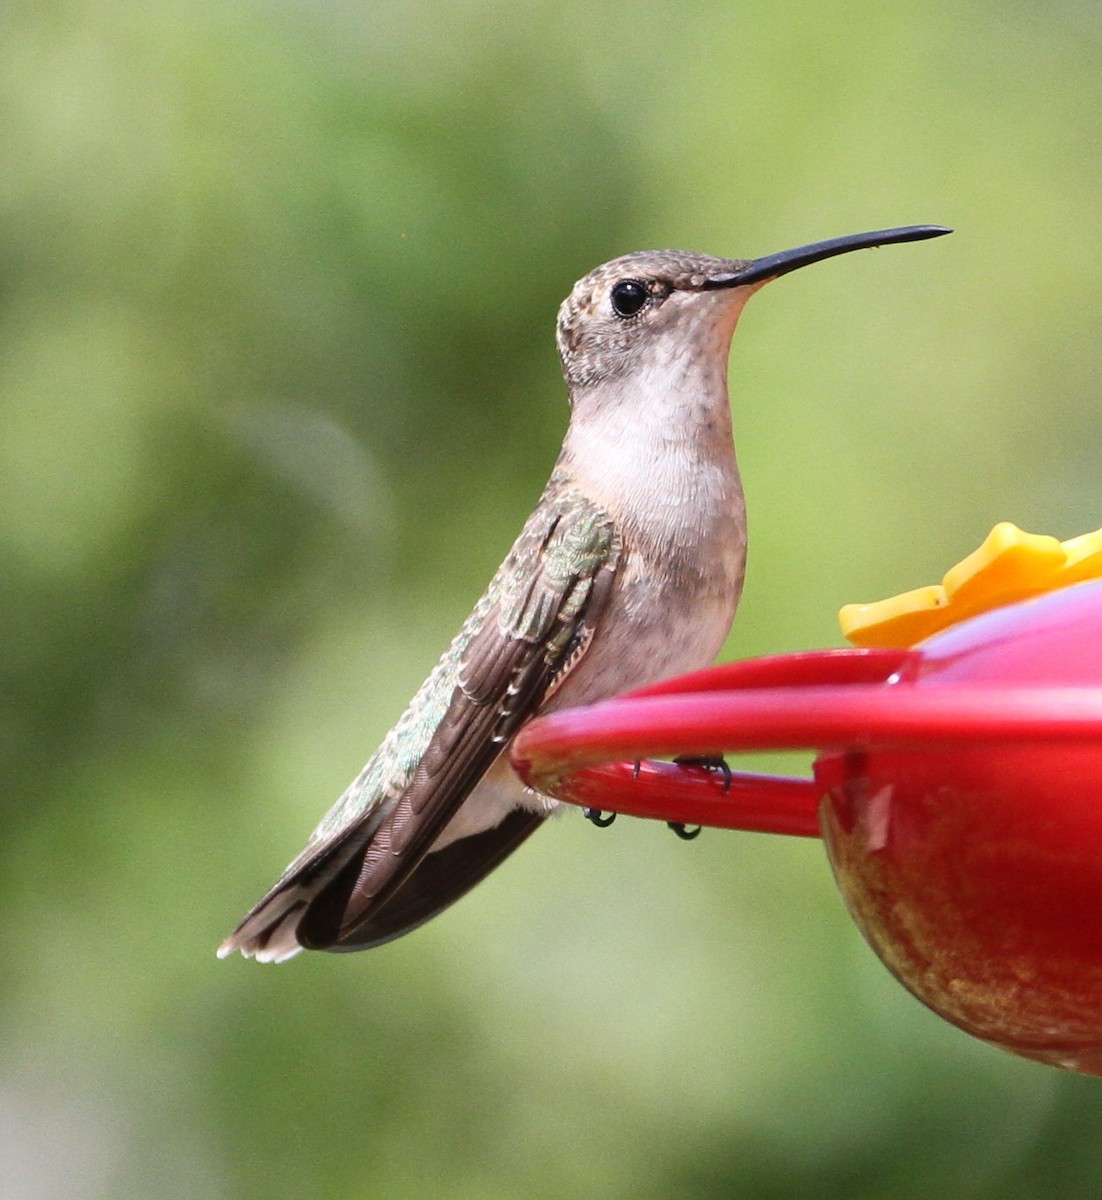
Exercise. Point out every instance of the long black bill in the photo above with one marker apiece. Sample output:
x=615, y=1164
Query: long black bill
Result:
x=759, y=270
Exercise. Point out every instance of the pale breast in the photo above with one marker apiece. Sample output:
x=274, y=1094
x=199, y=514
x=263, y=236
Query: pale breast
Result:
x=670, y=611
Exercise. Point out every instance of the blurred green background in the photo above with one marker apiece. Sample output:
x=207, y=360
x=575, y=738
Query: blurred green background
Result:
x=277, y=388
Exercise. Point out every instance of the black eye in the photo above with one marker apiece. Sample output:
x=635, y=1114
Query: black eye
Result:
x=628, y=297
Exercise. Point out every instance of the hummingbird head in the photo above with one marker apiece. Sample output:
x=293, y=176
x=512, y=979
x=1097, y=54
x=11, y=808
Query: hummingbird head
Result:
x=634, y=313
x=664, y=310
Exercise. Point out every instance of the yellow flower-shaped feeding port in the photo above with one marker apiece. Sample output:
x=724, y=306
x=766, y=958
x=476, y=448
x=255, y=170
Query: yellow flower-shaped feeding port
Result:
x=1011, y=565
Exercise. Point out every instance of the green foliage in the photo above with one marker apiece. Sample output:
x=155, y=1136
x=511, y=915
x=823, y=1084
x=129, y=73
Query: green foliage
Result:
x=277, y=388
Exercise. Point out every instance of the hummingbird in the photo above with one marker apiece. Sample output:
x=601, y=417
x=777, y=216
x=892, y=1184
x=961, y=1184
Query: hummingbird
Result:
x=629, y=570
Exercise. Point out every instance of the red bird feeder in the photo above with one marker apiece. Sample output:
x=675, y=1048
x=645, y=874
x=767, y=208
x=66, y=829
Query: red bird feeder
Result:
x=957, y=788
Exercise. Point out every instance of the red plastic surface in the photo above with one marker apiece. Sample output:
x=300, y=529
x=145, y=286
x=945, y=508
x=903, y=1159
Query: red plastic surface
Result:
x=958, y=786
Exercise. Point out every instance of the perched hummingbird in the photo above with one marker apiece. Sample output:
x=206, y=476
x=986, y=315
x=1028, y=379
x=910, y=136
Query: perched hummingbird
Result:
x=629, y=570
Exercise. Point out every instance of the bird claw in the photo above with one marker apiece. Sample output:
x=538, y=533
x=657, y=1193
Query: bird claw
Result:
x=709, y=762
x=714, y=762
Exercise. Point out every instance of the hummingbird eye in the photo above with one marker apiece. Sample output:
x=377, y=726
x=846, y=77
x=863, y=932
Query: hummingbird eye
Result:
x=628, y=297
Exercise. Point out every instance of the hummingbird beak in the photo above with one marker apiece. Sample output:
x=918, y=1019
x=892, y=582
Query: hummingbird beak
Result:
x=762, y=270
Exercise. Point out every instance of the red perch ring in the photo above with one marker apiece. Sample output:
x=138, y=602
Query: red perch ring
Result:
x=957, y=788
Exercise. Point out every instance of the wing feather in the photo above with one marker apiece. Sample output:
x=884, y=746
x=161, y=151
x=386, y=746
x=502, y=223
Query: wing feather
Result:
x=525, y=636
x=509, y=667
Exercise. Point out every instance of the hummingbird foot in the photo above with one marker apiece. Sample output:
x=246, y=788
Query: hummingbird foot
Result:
x=597, y=817
x=683, y=831
x=710, y=762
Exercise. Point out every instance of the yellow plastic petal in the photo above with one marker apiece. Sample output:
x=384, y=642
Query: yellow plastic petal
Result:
x=1010, y=565
x=1084, y=558
x=898, y=621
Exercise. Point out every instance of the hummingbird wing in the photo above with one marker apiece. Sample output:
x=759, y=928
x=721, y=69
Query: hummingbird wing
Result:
x=526, y=634
x=437, y=880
